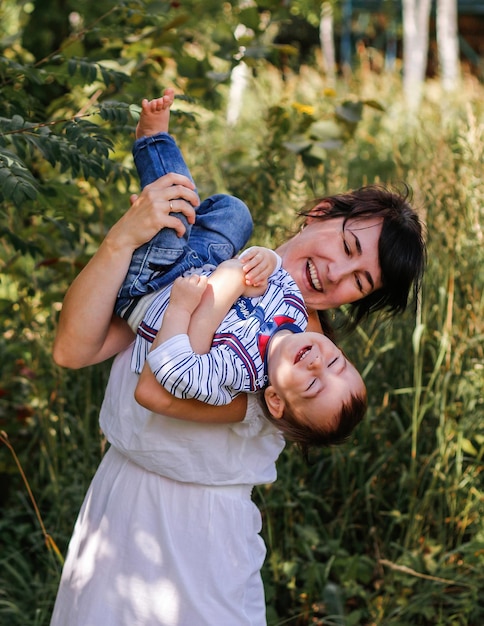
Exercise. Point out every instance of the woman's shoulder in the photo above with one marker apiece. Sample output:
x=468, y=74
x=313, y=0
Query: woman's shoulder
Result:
x=255, y=423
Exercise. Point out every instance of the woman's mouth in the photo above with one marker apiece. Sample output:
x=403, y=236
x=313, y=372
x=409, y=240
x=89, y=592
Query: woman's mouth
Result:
x=312, y=276
x=302, y=354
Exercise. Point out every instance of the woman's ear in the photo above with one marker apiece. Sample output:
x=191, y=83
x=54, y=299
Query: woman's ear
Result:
x=275, y=404
x=316, y=212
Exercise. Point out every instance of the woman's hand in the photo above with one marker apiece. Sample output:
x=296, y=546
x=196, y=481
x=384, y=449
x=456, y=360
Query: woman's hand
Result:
x=88, y=332
x=150, y=211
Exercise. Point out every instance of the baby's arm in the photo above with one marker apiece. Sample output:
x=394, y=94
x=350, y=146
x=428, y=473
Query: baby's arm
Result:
x=245, y=276
x=198, y=306
x=185, y=296
x=215, y=296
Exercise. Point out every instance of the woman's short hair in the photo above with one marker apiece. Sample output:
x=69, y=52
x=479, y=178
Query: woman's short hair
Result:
x=401, y=247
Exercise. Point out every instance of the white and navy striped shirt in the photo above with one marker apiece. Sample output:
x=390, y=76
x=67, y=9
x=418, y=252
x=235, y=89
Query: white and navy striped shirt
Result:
x=235, y=363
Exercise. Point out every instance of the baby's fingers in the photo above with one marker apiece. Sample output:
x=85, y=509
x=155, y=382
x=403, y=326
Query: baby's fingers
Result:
x=256, y=276
x=250, y=258
x=257, y=270
x=193, y=282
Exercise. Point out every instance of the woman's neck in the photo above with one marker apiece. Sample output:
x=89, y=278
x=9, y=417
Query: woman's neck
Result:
x=314, y=325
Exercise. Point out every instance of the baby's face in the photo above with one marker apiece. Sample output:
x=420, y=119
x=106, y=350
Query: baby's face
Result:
x=311, y=375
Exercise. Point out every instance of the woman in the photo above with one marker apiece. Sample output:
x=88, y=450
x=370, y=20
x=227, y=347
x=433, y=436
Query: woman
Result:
x=168, y=534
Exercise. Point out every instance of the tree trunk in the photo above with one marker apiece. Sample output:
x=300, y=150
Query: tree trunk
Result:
x=327, y=41
x=415, y=49
x=239, y=78
x=448, y=45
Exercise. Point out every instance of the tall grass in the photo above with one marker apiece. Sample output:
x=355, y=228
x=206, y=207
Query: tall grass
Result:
x=386, y=530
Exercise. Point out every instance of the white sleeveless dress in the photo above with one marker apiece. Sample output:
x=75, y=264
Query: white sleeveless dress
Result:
x=168, y=534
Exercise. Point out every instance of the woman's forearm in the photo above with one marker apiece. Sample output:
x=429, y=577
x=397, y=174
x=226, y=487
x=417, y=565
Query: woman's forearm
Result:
x=88, y=333
x=150, y=394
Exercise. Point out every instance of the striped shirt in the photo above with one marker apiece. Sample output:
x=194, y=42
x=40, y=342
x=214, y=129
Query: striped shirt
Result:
x=235, y=363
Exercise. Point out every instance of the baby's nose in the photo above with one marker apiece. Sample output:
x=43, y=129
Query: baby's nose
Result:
x=314, y=362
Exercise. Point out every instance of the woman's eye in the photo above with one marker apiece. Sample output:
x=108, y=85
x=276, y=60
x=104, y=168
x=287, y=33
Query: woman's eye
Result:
x=358, y=283
x=346, y=248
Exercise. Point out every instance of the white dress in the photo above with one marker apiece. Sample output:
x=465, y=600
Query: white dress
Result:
x=168, y=534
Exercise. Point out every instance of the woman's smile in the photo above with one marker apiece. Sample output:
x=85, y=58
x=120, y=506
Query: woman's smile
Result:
x=334, y=262
x=313, y=277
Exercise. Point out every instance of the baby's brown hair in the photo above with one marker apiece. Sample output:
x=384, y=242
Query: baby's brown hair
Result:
x=311, y=434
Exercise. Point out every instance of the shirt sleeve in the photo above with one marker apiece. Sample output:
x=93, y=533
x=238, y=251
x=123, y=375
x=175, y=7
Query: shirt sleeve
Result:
x=285, y=293
x=215, y=378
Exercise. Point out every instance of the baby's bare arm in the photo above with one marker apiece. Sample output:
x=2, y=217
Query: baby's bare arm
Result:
x=185, y=297
x=225, y=285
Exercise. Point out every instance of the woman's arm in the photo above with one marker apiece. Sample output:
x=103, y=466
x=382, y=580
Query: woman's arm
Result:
x=162, y=402
x=88, y=332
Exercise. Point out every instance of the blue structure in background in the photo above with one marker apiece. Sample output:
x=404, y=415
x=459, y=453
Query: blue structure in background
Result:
x=345, y=45
x=471, y=7
x=388, y=41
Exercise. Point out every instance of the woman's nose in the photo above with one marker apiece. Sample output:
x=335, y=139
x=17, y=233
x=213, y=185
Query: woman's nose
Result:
x=341, y=269
x=337, y=271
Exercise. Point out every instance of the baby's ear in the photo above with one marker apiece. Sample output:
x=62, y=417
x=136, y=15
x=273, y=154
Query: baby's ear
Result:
x=274, y=402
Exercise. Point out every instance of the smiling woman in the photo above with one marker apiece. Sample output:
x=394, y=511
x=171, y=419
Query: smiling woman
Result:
x=337, y=261
x=364, y=248
x=183, y=486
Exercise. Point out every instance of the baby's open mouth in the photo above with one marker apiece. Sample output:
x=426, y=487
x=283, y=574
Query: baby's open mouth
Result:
x=302, y=354
x=313, y=277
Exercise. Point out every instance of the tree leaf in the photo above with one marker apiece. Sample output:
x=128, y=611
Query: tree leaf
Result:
x=350, y=112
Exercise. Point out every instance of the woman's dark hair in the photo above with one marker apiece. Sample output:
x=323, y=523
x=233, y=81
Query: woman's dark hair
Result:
x=401, y=247
x=309, y=435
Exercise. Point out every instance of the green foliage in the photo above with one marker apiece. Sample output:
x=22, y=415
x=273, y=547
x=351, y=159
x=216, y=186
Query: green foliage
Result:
x=385, y=530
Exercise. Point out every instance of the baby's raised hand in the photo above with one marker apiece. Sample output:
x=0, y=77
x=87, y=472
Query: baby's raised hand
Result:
x=187, y=292
x=258, y=264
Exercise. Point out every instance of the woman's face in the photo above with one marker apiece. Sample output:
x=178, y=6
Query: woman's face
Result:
x=332, y=266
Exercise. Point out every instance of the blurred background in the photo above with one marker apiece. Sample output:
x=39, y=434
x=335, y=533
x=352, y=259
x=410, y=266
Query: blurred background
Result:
x=278, y=102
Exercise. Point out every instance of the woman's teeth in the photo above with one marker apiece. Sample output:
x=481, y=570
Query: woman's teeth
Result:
x=313, y=276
